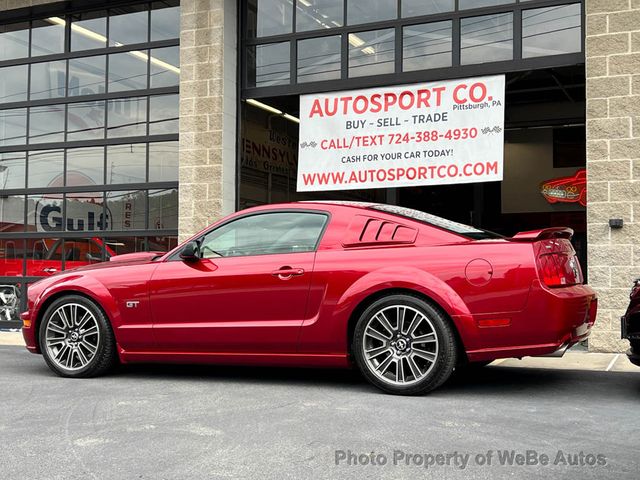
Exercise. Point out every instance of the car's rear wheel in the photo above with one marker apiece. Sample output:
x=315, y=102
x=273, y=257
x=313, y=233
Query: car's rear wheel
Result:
x=404, y=345
x=76, y=339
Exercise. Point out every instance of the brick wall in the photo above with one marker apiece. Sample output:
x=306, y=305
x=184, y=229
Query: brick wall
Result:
x=613, y=160
x=207, y=113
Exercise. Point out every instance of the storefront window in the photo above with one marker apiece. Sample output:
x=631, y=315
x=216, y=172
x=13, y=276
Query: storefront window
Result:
x=163, y=162
x=127, y=71
x=128, y=25
x=428, y=45
x=87, y=76
x=46, y=124
x=486, y=39
x=84, y=212
x=165, y=20
x=46, y=168
x=371, y=53
x=88, y=31
x=365, y=11
x=412, y=8
x=13, y=83
x=13, y=126
x=47, y=38
x=127, y=210
x=12, y=170
x=85, y=120
x=14, y=41
x=127, y=163
x=319, y=59
x=466, y=4
x=163, y=114
x=269, y=65
x=127, y=117
x=316, y=14
x=47, y=80
x=270, y=17
x=551, y=30
x=85, y=166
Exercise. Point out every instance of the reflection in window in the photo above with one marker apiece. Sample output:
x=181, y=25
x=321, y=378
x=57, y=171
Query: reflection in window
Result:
x=48, y=80
x=269, y=17
x=46, y=124
x=85, y=166
x=165, y=67
x=13, y=126
x=318, y=14
x=85, y=121
x=466, y=4
x=366, y=11
x=270, y=64
x=127, y=163
x=551, y=30
x=13, y=84
x=371, y=53
x=319, y=59
x=165, y=22
x=163, y=209
x=163, y=161
x=88, y=31
x=426, y=46
x=127, y=71
x=44, y=214
x=127, y=210
x=414, y=8
x=87, y=76
x=47, y=38
x=128, y=25
x=46, y=168
x=12, y=213
x=14, y=41
x=127, y=117
x=85, y=212
x=163, y=114
x=12, y=170
x=486, y=39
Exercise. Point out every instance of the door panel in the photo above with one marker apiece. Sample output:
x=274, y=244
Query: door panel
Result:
x=231, y=304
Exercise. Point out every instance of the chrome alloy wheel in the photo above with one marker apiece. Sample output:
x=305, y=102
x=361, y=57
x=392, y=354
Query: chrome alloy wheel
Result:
x=72, y=336
x=400, y=345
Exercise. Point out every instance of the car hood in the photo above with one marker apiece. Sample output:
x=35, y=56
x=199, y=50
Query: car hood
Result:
x=138, y=258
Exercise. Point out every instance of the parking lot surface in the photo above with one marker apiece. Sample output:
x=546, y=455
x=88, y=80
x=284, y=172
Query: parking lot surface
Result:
x=210, y=422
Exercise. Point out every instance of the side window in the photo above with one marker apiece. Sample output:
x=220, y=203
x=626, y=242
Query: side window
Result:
x=264, y=234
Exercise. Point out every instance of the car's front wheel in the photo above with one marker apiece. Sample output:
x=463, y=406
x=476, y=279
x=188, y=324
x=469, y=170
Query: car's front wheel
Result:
x=76, y=339
x=404, y=345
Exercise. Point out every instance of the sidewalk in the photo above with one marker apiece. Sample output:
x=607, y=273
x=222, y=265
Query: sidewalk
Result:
x=572, y=360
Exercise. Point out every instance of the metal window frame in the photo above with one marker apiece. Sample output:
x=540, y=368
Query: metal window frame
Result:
x=65, y=10
x=399, y=77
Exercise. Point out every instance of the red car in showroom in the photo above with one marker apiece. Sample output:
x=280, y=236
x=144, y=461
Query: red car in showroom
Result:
x=405, y=295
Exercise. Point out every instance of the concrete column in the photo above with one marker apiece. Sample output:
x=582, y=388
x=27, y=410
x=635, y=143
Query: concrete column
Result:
x=207, y=113
x=613, y=160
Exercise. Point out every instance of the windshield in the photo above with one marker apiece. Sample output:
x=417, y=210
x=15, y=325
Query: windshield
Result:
x=450, y=226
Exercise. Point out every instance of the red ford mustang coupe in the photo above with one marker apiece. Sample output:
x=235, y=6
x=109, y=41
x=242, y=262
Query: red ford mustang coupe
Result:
x=405, y=295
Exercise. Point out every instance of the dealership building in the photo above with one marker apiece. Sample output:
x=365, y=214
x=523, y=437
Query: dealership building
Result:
x=130, y=125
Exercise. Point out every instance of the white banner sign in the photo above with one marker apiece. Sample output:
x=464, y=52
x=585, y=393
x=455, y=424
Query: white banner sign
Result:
x=424, y=134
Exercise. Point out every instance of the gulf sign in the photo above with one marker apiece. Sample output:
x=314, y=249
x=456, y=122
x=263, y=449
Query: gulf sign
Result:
x=432, y=133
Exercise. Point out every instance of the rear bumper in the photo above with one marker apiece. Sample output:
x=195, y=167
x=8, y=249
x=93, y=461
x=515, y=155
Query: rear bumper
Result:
x=630, y=330
x=553, y=319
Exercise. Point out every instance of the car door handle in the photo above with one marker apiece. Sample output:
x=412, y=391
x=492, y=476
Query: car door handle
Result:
x=285, y=273
x=49, y=270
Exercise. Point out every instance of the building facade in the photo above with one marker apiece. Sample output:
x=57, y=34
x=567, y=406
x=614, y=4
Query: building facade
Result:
x=129, y=125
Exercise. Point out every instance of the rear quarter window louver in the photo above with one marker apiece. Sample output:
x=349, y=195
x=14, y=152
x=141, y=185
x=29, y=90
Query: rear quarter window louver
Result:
x=365, y=230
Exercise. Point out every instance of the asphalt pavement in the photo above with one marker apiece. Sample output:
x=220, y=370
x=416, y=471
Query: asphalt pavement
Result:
x=206, y=422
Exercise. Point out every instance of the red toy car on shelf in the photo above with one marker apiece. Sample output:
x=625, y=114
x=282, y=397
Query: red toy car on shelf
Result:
x=405, y=295
x=571, y=189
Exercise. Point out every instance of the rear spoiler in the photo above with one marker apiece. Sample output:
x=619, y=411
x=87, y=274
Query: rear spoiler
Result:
x=543, y=234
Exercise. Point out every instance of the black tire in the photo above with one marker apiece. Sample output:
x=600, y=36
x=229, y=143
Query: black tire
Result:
x=445, y=358
x=105, y=356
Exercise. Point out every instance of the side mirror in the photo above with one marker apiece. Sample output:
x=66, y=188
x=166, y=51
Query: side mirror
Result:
x=189, y=252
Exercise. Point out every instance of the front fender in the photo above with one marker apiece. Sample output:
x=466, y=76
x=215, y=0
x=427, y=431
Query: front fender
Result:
x=80, y=284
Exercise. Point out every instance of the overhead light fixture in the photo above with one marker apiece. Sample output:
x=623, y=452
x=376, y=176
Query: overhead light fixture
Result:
x=291, y=117
x=101, y=38
x=263, y=106
x=271, y=109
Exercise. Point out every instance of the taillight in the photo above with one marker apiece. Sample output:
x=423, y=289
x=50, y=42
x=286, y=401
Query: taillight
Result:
x=559, y=269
